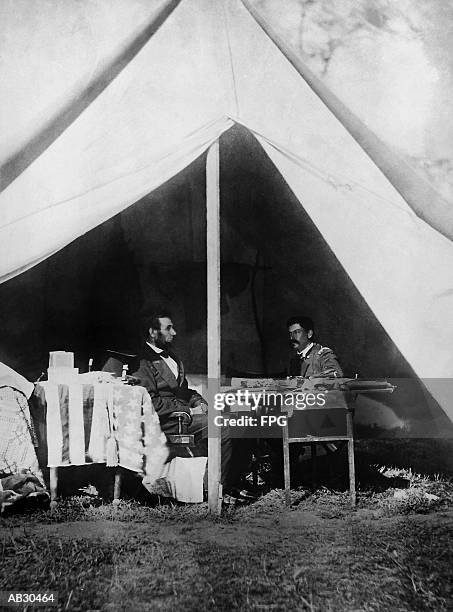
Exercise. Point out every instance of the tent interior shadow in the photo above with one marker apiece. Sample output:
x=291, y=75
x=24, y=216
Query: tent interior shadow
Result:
x=92, y=294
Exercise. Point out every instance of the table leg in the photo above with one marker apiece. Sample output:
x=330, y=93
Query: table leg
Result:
x=351, y=461
x=286, y=467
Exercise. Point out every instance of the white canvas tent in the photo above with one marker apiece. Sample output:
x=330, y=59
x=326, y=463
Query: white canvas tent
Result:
x=108, y=100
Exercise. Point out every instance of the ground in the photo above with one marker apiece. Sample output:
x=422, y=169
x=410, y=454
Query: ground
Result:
x=388, y=553
x=391, y=552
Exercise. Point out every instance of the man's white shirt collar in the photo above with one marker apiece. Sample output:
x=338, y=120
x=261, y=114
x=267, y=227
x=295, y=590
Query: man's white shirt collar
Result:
x=306, y=350
x=155, y=348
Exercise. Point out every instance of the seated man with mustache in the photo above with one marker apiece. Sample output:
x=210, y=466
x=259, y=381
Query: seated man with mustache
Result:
x=308, y=358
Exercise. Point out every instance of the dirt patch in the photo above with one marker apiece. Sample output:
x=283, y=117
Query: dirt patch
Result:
x=298, y=561
x=389, y=553
x=108, y=531
x=294, y=559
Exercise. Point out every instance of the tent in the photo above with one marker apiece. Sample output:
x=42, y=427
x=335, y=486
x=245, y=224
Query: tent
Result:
x=111, y=109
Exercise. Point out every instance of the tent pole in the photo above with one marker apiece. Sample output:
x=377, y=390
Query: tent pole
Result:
x=213, y=283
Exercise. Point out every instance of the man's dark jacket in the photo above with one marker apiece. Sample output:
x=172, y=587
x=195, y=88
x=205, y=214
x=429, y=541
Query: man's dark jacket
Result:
x=168, y=394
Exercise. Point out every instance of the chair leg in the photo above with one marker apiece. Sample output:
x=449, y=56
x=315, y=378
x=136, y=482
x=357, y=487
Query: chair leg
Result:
x=254, y=471
x=313, y=465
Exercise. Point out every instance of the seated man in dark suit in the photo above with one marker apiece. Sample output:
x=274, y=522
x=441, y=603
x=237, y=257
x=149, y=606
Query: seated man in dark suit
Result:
x=162, y=373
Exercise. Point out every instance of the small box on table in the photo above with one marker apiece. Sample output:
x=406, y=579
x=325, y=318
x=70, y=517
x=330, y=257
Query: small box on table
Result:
x=61, y=367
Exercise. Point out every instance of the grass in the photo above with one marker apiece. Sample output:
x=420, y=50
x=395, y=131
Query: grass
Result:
x=392, y=552
x=272, y=559
x=34, y=563
x=428, y=456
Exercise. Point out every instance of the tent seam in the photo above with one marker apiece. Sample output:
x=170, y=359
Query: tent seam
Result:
x=363, y=141
x=343, y=181
x=230, y=54
x=110, y=182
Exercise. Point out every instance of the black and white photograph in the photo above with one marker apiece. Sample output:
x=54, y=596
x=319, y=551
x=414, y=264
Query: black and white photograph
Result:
x=226, y=305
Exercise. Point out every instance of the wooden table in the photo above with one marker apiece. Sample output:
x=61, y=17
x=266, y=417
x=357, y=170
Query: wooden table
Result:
x=339, y=427
x=326, y=419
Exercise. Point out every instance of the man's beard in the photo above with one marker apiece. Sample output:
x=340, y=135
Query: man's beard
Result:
x=161, y=343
